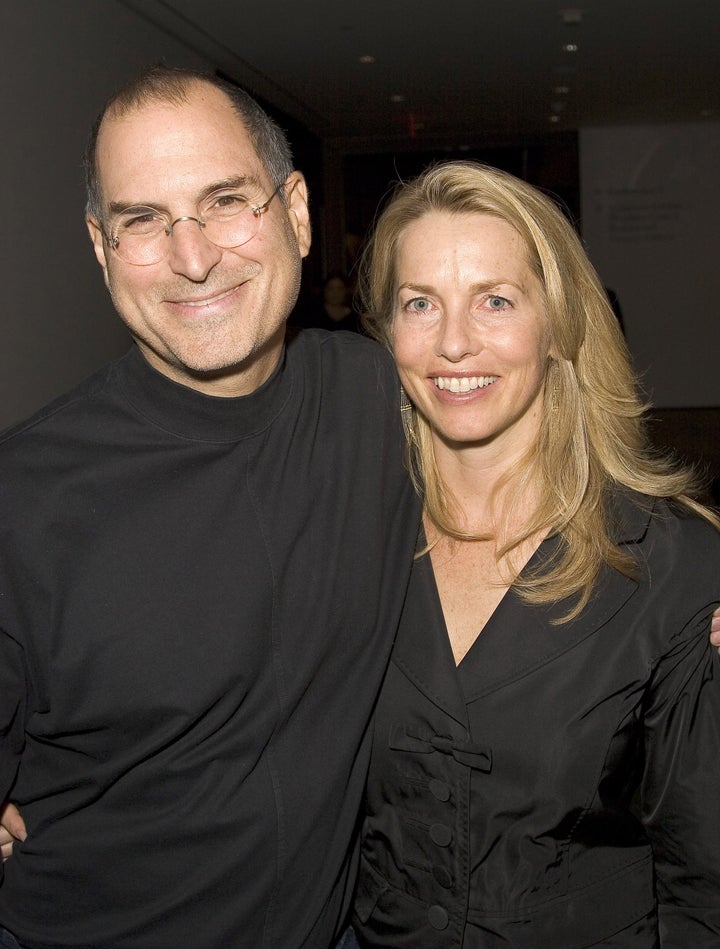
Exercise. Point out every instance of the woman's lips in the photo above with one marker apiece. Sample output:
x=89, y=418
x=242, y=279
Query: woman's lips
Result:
x=460, y=384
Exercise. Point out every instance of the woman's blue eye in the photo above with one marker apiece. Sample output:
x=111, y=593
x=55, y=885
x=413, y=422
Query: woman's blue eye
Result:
x=420, y=305
x=497, y=303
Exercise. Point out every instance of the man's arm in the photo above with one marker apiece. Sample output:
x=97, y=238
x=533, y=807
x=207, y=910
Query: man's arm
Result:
x=715, y=629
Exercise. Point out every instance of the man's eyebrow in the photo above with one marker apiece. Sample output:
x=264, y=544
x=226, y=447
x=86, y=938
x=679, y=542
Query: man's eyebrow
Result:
x=236, y=181
x=123, y=207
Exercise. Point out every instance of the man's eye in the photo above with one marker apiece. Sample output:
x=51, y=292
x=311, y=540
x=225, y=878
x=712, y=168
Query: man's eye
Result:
x=143, y=223
x=226, y=204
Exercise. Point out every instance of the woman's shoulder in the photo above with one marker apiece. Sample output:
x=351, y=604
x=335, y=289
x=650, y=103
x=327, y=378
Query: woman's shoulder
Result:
x=634, y=515
x=672, y=542
x=677, y=580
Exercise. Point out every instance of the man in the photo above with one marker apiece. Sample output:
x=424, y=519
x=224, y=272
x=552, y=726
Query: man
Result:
x=204, y=554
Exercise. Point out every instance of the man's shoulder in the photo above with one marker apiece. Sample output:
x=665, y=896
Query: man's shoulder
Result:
x=349, y=381
x=70, y=404
x=340, y=351
x=351, y=373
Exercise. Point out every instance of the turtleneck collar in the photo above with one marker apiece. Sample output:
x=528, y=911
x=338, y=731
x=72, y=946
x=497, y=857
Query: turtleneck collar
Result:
x=184, y=412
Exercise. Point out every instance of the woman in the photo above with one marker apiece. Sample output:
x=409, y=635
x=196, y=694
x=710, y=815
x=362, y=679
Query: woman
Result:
x=546, y=760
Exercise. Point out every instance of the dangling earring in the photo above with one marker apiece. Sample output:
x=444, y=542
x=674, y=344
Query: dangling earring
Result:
x=555, y=389
x=406, y=413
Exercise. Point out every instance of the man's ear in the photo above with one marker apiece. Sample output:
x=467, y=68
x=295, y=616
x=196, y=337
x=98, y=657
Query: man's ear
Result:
x=298, y=211
x=96, y=236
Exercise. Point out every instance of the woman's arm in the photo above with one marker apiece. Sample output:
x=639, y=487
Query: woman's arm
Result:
x=12, y=828
x=680, y=797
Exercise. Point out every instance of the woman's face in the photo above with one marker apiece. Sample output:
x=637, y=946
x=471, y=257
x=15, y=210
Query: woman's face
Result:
x=470, y=336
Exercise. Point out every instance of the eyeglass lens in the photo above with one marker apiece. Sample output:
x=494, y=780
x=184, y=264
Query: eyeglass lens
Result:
x=142, y=235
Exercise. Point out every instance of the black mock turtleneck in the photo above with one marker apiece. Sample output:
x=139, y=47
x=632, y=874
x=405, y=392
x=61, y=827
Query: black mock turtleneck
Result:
x=197, y=601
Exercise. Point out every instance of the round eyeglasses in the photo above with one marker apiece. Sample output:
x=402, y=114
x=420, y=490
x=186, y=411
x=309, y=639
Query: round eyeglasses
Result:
x=141, y=235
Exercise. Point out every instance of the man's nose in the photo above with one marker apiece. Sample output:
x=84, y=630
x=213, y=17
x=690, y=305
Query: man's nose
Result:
x=191, y=253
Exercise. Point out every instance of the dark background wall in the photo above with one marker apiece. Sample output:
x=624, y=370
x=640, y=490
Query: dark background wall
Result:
x=61, y=59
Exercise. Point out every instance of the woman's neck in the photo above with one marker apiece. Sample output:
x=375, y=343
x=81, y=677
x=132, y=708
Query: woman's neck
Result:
x=470, y=576
x=479, y=480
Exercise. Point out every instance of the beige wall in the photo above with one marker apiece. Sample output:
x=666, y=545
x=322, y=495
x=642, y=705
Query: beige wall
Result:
x=650, y=209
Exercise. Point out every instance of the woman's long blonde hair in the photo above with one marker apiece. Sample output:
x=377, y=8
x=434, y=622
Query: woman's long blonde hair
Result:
x=592, y=436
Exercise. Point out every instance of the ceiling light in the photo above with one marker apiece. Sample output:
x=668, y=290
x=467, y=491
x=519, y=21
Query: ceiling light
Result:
x=397, y=97
x=366, y=58
x=571, y=15
x=570, y=47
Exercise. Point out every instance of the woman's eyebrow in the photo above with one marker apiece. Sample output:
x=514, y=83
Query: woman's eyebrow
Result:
x=481, y=286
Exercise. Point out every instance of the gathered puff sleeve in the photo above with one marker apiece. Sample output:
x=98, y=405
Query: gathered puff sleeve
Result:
x=680, y=792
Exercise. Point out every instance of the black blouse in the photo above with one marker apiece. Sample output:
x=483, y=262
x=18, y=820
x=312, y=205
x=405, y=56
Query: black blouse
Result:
x=559, y=788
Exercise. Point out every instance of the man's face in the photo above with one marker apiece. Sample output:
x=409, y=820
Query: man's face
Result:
x=208, y=317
